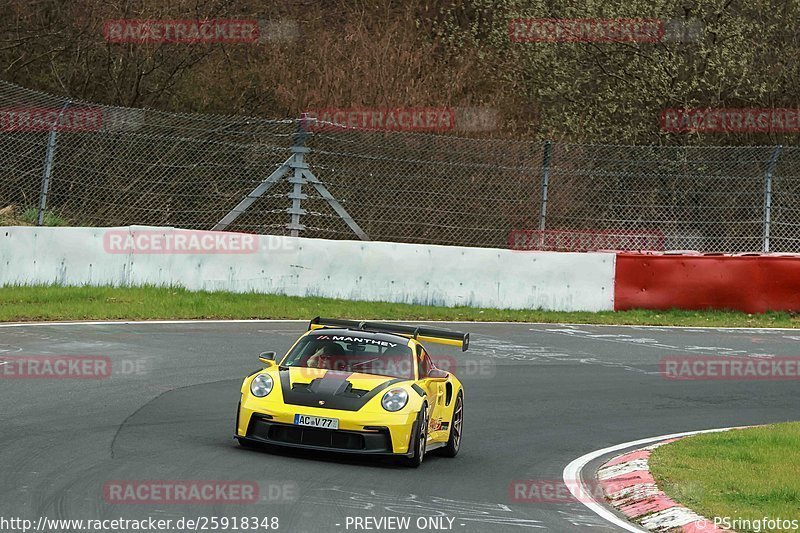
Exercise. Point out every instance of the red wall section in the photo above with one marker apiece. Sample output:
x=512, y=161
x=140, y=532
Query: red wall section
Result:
x=752, y=284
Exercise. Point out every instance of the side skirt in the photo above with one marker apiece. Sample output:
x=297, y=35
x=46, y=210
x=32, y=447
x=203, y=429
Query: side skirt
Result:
x=434, y=445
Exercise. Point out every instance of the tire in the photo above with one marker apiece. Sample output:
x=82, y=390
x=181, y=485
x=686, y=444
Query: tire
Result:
x=456, y=427
x=418, y=440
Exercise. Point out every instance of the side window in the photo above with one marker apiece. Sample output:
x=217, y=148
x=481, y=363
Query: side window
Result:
x=425, y=364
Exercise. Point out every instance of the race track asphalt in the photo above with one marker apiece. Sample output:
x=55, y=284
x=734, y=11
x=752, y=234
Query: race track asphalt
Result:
x=537, y=397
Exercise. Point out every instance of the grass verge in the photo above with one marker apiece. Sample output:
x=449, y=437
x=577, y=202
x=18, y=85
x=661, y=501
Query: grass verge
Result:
x=748, y=474
x=11, y=216
x=146, y=303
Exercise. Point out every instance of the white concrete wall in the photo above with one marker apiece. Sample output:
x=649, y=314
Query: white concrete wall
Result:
x=376, y=271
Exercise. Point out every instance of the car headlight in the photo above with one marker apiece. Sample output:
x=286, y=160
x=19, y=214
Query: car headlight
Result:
x=394, y=400
x=261, y=385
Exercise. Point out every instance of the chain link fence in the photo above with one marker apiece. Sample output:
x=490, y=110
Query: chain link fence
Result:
x=75, y=163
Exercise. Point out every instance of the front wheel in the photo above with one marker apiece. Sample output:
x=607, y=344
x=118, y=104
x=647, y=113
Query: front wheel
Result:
x=456, y=425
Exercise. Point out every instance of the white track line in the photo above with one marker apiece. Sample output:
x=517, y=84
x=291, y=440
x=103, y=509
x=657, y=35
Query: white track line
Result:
x=740, y=328
x=231, y=321
x=277, y=320
x=259, y=320
x=574, y=481
x=139, y=322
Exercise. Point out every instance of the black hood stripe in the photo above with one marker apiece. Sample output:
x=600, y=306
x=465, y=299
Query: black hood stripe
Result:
x=329, y=388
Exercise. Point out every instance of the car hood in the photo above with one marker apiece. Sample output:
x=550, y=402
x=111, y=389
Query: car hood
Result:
x=331, y=389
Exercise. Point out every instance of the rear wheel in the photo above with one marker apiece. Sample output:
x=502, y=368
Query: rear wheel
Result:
x=419, y=440
x=456, y=425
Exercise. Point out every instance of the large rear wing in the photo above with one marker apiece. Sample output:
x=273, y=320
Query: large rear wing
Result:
x=420, y=333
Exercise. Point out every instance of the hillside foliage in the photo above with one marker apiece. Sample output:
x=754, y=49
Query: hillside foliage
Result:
x=425, y=53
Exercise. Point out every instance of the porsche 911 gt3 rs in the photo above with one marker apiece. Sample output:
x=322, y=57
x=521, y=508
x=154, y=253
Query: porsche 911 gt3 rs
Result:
x=356, y=387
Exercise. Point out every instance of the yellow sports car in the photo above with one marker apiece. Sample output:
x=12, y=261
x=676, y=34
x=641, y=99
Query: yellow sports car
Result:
x=356, y=387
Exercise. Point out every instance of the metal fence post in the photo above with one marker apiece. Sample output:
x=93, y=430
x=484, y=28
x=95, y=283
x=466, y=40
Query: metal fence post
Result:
x=299, y=174
x=297, y=178
x=48, y=164
x=768, y=196
x=548, y=154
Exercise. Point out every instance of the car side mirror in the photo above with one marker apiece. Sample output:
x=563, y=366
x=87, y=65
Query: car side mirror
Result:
x=268, y=358
x=437, y=375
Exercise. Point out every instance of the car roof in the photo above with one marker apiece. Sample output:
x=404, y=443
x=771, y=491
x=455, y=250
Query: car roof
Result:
x=374, y=335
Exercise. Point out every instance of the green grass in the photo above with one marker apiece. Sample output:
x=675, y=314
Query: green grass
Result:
x=30, y=216
x=749, y=474
x=106, y=303
x=10, y=216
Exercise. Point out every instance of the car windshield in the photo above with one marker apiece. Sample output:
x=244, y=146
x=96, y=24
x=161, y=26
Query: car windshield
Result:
x=353, y=354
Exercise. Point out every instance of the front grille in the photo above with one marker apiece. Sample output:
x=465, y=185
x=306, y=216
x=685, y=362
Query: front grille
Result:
x=378, y=441
x=316, y=437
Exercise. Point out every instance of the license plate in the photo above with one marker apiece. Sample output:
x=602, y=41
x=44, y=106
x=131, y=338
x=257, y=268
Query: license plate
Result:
x=316, y=422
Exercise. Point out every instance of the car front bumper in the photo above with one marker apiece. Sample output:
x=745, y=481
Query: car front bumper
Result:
x=360, y=433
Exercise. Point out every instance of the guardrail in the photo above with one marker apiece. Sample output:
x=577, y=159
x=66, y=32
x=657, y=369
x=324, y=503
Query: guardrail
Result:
x=353, y=270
